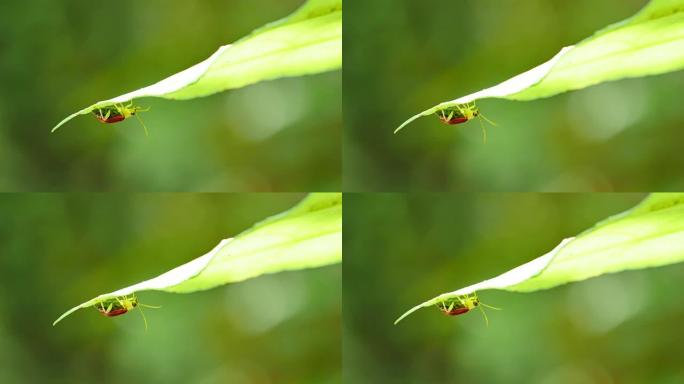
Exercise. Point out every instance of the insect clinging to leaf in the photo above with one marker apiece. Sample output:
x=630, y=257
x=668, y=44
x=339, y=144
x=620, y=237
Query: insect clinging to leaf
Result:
x=118, y=112
x=461, y=304
x=121, y=305
x=461, y=113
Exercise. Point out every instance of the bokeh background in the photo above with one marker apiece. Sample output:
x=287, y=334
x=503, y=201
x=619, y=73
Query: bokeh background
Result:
x=57, y=57
x=402, y=57
x=401, y=250
x=57, y=251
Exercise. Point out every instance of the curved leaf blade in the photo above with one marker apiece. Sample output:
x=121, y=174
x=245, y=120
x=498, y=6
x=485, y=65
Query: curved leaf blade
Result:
x=648, y=43
x=308, y=41
x=650, y=234
x=308, y=235
x=511, y=86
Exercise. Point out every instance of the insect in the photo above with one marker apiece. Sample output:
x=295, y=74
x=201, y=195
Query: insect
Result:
x=118, y=112
x=461, y=304
x=121, y=305
x=461, y=113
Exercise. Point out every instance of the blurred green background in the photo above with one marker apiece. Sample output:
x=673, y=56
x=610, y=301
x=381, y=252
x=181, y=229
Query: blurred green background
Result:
x=401, y=250
x=57, y=57
x=57, y=251
x=402, y=57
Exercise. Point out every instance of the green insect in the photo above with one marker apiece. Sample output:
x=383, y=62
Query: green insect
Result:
x=121, y=305
x=461, y=304
x=118, y=112
x=461, y=113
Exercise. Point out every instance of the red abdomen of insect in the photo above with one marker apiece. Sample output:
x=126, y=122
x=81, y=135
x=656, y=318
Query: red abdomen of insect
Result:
x=454, y=120
x=111, y=119
x=456, y=311
x=114, y=312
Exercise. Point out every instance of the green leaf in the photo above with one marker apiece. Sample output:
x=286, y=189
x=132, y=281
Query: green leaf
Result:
x=649, y=235
x=308, y=235
x=649, y=43
x=306, y=42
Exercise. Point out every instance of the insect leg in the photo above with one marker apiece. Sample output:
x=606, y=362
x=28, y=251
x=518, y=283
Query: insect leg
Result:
x=121, y=109
x=124, y=302
x=461, y=110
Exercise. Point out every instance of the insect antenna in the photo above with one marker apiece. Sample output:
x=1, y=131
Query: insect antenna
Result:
x=480, y=305
x=484, y=130
x=135, y=113
x=143, y=316
x=487, y=120
x=140, y=305
x=485, y=315
x=143, y=124
x=490, y=307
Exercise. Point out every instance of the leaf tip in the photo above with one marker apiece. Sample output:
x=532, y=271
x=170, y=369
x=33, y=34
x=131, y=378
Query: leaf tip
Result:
x=66, y=119
x=57, y=126
x=67, y=313
x=410, y=311
x=407, y=122
x=58, y=320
